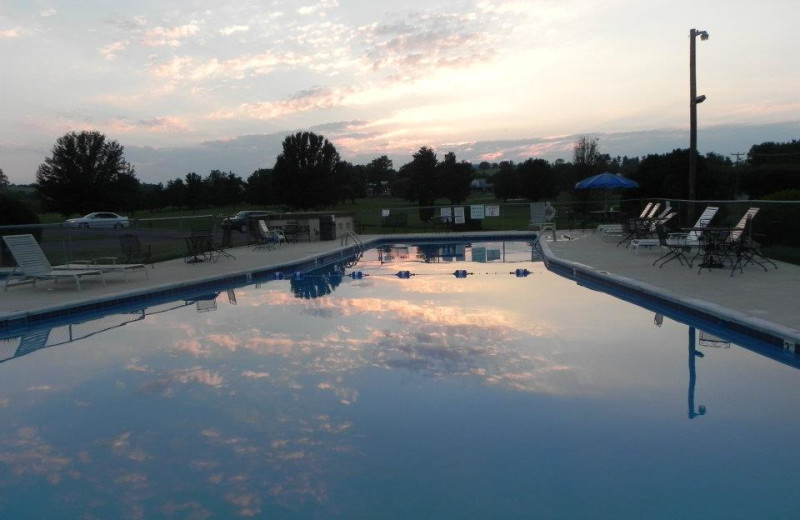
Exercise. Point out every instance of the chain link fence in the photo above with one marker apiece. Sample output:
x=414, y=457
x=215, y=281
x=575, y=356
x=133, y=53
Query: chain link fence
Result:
x=776, y=227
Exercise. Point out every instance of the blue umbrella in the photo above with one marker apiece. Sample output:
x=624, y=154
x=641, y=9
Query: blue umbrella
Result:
x=606, y=181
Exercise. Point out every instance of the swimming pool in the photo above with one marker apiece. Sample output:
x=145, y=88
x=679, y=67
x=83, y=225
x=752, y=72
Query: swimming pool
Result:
x=508, y=393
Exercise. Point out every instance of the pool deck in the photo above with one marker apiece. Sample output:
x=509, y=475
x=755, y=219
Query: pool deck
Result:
x=756, y=296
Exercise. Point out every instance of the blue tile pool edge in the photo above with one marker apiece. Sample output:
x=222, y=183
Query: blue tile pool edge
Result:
x=726, y=323
x=134, y=300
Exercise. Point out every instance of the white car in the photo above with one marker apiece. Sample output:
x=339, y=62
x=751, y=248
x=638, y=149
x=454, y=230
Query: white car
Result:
x=99, y=220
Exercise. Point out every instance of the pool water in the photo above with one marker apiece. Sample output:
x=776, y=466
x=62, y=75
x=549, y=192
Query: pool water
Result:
x=373, y=395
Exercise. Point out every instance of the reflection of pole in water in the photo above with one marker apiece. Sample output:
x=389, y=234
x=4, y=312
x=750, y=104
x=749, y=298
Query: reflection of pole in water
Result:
x=693, y=353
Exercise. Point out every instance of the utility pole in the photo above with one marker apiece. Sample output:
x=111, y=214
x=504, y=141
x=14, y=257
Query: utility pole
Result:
x=738, y=156
x=694, y=100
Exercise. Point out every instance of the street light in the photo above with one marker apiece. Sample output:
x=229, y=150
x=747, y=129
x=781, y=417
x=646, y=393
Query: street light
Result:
x=694, y=100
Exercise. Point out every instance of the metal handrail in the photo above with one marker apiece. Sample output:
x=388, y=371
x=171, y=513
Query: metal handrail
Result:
x=356, y=240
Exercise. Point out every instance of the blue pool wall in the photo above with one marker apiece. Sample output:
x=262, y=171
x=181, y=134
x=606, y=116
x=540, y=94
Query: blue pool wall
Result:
x=782, y=341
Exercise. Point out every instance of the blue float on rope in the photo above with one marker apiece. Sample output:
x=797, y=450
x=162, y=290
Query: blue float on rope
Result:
x=279, y=276
x=460, y=273
x=357, y=275
x=404, y=274
x=521, y=273
x=299, y=275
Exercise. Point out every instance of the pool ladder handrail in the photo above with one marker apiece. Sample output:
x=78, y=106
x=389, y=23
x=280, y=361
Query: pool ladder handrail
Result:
x=356, y=240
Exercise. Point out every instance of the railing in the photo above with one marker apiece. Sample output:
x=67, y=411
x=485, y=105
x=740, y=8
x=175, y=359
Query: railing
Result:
x=351, y=235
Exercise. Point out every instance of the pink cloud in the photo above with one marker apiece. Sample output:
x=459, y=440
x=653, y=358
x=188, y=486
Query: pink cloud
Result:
x=171, y=37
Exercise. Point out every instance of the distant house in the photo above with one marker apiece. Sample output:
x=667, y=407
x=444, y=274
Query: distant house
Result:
x=380, y=189
x=482, y=185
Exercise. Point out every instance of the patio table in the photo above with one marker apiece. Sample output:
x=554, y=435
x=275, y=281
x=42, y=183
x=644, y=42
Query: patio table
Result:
x=198, y=248
x=713, y=248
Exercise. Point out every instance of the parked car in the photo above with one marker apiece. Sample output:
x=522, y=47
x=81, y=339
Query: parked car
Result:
x=99, y=219
x=239, y=221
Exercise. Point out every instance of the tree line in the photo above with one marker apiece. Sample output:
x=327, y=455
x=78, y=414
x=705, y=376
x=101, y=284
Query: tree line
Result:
x=88, y=172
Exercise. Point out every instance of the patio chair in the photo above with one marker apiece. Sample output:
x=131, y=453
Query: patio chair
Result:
x=741, y=244
x=219, y=248
x=134, y=251
x=694, y=238
x=674, y=250
x=646, y=241
x=543, y=216
x=643, y=225
x=268, y=237
x=33, y=264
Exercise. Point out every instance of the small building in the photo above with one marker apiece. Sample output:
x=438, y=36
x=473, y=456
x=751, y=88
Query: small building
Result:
x=482, y=185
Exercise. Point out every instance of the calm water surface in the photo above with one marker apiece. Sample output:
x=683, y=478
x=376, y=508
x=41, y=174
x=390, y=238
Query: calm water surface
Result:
x=494, y=396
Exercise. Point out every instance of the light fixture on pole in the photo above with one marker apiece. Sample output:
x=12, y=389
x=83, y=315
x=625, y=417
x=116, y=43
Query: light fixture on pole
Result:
x=694, y=100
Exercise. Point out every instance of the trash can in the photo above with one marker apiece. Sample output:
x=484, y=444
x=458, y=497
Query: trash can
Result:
x=327, y=227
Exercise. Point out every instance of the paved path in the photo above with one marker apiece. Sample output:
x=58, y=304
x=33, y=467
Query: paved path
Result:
x=46, y=294
x=770, y=296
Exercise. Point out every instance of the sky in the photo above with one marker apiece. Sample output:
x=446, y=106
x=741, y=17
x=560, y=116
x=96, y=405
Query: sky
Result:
x=196, y=85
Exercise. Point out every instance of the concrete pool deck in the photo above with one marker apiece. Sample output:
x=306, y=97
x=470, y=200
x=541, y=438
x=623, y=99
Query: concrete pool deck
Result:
x=757, y=296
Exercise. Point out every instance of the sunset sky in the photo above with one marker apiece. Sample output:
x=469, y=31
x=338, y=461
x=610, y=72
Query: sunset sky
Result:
x=199, y=85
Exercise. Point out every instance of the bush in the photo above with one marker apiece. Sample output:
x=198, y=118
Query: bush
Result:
x=15, y=212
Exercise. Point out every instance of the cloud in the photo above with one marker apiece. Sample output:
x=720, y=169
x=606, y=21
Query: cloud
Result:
x=14, y=32
x=320, y=7
x=171, y=36
x=316, y=99
x=227, y=31
x=158, y=125
x=46, y=13
x=110, y=51
x=255, y=375
x=187, y=68
x=27, y=454
x=197, y=375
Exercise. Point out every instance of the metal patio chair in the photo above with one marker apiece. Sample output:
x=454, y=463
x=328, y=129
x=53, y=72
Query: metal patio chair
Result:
x=674, y=250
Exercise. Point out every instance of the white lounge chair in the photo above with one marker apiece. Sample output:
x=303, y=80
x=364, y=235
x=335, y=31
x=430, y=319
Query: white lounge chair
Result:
x=269, y=237
x=692, y=238
x=106, y=268
x=32, y=263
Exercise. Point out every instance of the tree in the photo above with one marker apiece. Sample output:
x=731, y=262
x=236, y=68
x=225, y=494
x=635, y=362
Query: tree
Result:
x=584, y=152
x=506, y=182
x=85, y=173
x=304, y=174
x=536, y=179
x=194, y=192
x=421, y=186
x=222, y=189
x=259, y=188
x=14, y=211
x=454, y=178
x=380, y=170
x=772, y=167
x=175, y=193
x=3, y=180
x=152, y=196
x=351, y=181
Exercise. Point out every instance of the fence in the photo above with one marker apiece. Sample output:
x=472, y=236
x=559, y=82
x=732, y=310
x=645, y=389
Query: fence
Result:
x=777, y=226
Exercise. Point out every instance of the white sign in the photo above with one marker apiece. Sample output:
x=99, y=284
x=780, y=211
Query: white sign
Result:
x=446, y=212
x=476, y=211
x=492, y=211
x=384, y=212
x=459, y=214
